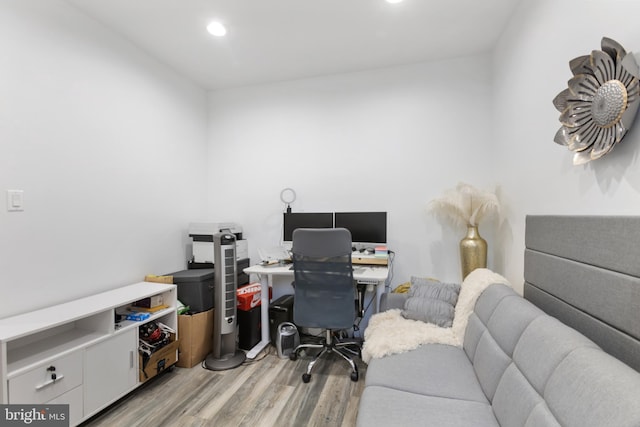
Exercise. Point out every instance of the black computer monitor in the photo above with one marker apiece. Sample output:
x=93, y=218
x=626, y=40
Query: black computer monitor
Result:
x=365, y=227
x=293, y=220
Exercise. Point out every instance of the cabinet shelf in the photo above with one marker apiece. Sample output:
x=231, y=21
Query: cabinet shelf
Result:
x=128, y=324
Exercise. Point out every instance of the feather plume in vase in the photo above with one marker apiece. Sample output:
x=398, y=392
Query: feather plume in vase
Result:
x=464, y=205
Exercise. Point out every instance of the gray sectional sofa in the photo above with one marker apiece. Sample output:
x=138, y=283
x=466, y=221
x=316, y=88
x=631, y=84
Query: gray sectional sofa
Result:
x=517, y=367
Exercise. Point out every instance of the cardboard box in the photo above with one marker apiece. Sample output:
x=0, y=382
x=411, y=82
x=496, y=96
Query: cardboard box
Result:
x=196, y=338
x=152, y=301
x=162, y=359
x=158, y=279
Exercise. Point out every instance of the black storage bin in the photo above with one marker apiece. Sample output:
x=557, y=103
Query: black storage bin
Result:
x=195, y=288
x=241, y=264
x=280, y=311
x=249, y=327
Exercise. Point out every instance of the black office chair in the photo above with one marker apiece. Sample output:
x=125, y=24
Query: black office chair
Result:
x=324, y=291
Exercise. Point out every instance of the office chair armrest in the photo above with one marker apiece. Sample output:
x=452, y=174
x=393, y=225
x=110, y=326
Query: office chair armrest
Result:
x=392, y=300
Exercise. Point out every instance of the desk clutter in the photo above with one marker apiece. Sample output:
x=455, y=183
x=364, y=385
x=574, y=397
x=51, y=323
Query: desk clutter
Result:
x=143, y=309
x=157, y=342
x=157, y=349
x=378, y=255
x=199, y=320
x=196, y=319
x=196, y=329
x=195, y=324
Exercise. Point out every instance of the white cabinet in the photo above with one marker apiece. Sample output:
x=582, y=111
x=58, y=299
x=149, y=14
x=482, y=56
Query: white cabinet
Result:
x=110, y=369
x=75, y=353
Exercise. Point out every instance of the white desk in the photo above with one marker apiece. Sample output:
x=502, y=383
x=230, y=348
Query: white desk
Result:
x=371, y=275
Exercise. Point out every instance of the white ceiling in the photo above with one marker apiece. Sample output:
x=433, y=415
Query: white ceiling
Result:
x=276, y=40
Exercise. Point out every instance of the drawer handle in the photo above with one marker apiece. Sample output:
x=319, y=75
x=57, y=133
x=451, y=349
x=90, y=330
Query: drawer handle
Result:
x=51, y=381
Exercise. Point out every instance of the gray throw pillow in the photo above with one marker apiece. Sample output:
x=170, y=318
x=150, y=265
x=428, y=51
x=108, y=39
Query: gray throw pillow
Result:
x=431, y=301
x=429, y=310
x=432, y=289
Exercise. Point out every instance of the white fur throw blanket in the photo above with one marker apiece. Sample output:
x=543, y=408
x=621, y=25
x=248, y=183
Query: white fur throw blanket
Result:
x=389, y=333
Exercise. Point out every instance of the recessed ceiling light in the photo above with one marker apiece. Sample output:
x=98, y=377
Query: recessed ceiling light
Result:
x=393, y=1
x=215, y=28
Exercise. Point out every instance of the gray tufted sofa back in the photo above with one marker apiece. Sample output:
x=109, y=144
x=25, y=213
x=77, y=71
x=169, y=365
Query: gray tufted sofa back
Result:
x=536, y=371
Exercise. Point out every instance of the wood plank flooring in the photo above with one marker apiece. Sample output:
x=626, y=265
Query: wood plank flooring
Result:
x=266, y=392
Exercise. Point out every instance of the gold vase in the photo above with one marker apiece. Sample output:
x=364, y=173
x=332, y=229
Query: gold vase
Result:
x=473, y=251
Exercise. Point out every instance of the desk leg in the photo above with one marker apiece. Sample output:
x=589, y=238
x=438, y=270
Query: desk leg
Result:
x=379, y=291
x=265, y=282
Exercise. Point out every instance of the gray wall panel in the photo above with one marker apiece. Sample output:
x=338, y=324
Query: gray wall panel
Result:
x=611, y=242
x=614, y=342
x=609, y=296
x=585, y=271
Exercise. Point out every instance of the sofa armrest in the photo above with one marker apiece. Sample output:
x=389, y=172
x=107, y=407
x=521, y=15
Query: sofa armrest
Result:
x=392, y=300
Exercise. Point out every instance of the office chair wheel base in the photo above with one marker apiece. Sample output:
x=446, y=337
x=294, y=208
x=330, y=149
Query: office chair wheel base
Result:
x=354, y=377
x=293, y=356
x=306, y=378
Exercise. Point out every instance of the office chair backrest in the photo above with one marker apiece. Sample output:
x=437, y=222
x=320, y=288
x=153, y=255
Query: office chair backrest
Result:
x=324, y=289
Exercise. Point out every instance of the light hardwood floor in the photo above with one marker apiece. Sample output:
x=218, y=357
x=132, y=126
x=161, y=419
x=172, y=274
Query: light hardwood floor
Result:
x=265, y=392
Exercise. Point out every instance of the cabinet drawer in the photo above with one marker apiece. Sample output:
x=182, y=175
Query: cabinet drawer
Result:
x=72, y=398
x=37, y=386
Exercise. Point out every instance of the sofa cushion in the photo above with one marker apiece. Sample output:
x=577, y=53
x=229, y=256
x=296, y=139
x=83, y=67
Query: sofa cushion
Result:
x=382, y=406
x=483, y=309
x=489, y=363
x=489, y=300
x=541, y=416
x=500, y=317
x=591, y=388
x=510, y=318
x=433, y=369
x=546, y=335
x=473, y=333
x=515, y=400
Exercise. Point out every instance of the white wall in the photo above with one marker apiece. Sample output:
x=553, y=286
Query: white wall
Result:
x=113, y=152
x=530, y=68
x=389, y=139
x=109, y=147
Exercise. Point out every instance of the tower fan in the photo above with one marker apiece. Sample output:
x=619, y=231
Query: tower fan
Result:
x=225, y=353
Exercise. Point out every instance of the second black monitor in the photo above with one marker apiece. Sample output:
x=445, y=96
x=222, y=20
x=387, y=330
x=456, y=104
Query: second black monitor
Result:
x=365, y=227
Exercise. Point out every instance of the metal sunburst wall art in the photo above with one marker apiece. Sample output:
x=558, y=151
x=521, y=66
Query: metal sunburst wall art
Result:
x=600, y=103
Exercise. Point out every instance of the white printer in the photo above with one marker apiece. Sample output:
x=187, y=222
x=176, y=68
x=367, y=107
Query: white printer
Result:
x=202, y=234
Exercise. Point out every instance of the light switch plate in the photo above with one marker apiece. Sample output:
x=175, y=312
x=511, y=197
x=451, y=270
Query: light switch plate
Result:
x=15, y=200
